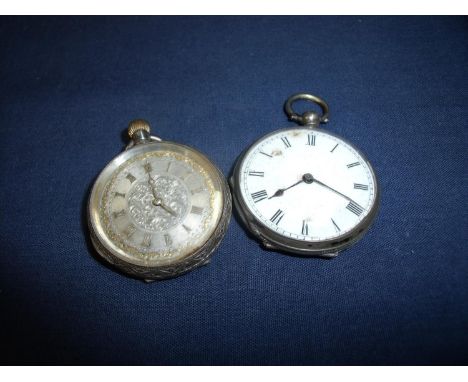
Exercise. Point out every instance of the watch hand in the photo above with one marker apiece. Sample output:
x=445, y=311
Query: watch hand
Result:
x=168, y=209
x=315, y=180
x=280, y=192
x=153, y=190
x=157, y=201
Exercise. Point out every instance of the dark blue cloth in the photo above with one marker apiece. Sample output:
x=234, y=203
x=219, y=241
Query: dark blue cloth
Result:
x=397, y=88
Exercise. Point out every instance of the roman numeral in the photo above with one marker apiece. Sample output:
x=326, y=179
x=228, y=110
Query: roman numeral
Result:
x=147, y=168
x=129, y=231
x=256, y=173
x=358, y=186
x=305, y=228
x=333, y=149
x=119, y=194
x=117, y=214
x=196, y=190
x=168, y=166
x=268, y=155
x=286, y=142
x=355, y=208
x=259, y=196
x=276, y=218
x=146, y=240
x=353, y=164
x=336, y=226
x=196, y=210
x=167, y=240
x=185, y=177
x=311, y=139
x=130, y=177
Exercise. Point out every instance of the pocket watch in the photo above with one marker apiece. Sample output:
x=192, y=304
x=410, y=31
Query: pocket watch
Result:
x=159, y=209
x=305, y=190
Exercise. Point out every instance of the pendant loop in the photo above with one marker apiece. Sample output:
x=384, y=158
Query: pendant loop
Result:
x=309, y=118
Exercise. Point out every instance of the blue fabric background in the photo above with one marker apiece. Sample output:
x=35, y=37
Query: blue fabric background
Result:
x=397, y=88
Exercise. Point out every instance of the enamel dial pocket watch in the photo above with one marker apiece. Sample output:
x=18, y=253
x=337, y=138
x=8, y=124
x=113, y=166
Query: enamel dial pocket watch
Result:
x=303, y=189
x=159, y=209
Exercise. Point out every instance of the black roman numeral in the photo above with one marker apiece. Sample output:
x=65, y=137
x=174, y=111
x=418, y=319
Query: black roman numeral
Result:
x=333, y=149
x=167, y=239
x=147, y=167
x=286, y=142
x=130, y=177
x=358, y=186
x=259, y=196
x=353, y=164
x=256, y=173
x=146, y=240
x=276, y=218
x=268, y=155
x=196, y=190
x=305, y=228
x=196, y=210
x=311, y=139
x=129, y=231
x=117, y=214
x=355, y=208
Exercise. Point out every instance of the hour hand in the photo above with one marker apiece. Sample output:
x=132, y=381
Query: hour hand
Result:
x=157, y=202
x=280, y=192
x=277, y=193
x=168, y=209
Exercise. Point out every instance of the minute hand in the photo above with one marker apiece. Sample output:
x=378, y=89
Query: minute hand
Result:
x=335, y=191
x=157, y=201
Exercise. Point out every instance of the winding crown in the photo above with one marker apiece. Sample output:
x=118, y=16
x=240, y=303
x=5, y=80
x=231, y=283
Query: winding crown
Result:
x=136, y=125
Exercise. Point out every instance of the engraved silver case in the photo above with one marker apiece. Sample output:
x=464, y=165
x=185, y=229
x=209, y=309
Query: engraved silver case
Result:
x=115, y=255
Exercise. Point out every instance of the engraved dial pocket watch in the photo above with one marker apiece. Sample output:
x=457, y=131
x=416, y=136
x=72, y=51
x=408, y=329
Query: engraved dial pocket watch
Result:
x=303, y=189
x=159, y=209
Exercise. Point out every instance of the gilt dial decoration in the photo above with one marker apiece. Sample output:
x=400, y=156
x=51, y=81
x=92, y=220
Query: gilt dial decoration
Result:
x=159, y=209
x=158, y=205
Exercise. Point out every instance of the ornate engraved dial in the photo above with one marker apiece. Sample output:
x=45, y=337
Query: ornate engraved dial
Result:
x=141, y=203
x=159, y=206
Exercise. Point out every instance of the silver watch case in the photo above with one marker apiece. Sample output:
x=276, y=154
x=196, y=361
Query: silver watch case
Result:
x=271, y=240
x=199, y=257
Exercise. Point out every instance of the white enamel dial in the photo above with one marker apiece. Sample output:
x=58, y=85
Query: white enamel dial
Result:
x=305, y=184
